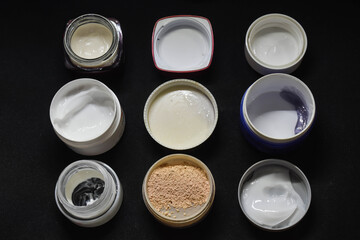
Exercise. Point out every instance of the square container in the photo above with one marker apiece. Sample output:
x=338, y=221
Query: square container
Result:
x=182, y=44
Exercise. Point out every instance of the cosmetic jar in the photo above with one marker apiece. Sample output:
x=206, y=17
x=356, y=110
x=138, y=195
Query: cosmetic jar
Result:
x=88, y=193
x=180, y=114
x=178, y=190
x=86, y=115
x=277, y=112
x=274, y=194
x=93, y=43
x=275, y=43
x=182, y=44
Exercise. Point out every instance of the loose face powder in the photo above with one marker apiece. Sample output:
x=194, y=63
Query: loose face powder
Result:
x=174, y=189
x=178, y=190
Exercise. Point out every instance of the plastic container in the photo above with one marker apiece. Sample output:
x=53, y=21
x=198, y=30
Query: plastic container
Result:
x=86, y=115
x=284, y=185
x=182, y=44
x=180, y=217
x=93, y=43
x=275, y=43
x=277, y=112
x=88, y=193
x=180, y=114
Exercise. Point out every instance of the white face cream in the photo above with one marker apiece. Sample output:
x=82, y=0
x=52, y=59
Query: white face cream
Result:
x=82, y=112
x=181, y=117
x=275, y=46
x=270, y=200
x=91, y=40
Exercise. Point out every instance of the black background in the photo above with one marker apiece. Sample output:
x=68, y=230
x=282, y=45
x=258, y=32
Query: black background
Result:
x=32, y=157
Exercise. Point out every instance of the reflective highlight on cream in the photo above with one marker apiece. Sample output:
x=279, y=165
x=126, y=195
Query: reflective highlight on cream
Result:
x=270, y=199
x=181, y=117
x=91, y=40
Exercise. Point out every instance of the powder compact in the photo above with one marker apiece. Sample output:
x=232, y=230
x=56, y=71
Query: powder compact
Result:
x=178, y=190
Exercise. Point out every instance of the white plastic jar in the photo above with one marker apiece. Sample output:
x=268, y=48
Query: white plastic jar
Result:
x=87, y=116
x=88, y=193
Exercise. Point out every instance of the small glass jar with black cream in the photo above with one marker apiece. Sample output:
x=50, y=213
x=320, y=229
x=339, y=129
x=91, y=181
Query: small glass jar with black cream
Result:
x=93, y=43
x=88, y=193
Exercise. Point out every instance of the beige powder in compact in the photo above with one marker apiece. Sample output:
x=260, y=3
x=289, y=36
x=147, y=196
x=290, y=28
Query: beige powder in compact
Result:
x=177, y=186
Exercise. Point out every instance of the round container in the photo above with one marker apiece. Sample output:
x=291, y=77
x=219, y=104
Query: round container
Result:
x=88, y=193
x=275, y=43
x=180, y=114
x=277, y=112
x=179, y=217
x=182, y=43
x=86, y=115
x=93, y=43
x=274, y=192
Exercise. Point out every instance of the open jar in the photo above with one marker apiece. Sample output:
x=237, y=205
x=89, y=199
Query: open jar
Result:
x=86, y=115
x=88, y=193
x=93, y=43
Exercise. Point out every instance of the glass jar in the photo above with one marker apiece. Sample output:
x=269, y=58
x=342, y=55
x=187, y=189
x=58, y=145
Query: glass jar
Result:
x=88, y=193
x=93, y=43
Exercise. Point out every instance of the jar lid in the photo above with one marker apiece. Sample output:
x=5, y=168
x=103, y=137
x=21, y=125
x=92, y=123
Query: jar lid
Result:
x=182, y=43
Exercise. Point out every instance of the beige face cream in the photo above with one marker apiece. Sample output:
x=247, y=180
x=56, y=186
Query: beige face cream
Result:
x=93, y=43
x=180, y=114
x=91, y=40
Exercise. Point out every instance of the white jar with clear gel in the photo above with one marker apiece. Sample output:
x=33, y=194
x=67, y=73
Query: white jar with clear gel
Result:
x=88, y=193
x=87, y=116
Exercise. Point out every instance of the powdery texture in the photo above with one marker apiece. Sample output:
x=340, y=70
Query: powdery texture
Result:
x=177, y=186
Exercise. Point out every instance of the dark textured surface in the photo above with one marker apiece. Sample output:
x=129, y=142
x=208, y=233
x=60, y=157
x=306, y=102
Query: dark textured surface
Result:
x=32, y=156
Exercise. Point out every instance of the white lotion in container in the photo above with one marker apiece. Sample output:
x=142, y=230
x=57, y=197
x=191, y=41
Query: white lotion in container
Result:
x=87, y=116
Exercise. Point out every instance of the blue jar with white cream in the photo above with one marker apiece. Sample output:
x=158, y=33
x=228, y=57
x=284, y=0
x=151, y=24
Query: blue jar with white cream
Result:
x=277, y=112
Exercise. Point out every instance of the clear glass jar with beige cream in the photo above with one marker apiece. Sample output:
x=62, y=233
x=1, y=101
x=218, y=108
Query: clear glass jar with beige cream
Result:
x=93, y=43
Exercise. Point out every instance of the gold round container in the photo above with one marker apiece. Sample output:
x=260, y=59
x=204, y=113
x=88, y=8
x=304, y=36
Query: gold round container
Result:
x=184, y=217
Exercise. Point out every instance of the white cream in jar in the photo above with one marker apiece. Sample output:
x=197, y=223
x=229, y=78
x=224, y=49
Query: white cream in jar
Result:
x=270, y=200
x=180, y=114
x=91, y=40
x=87, y=116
